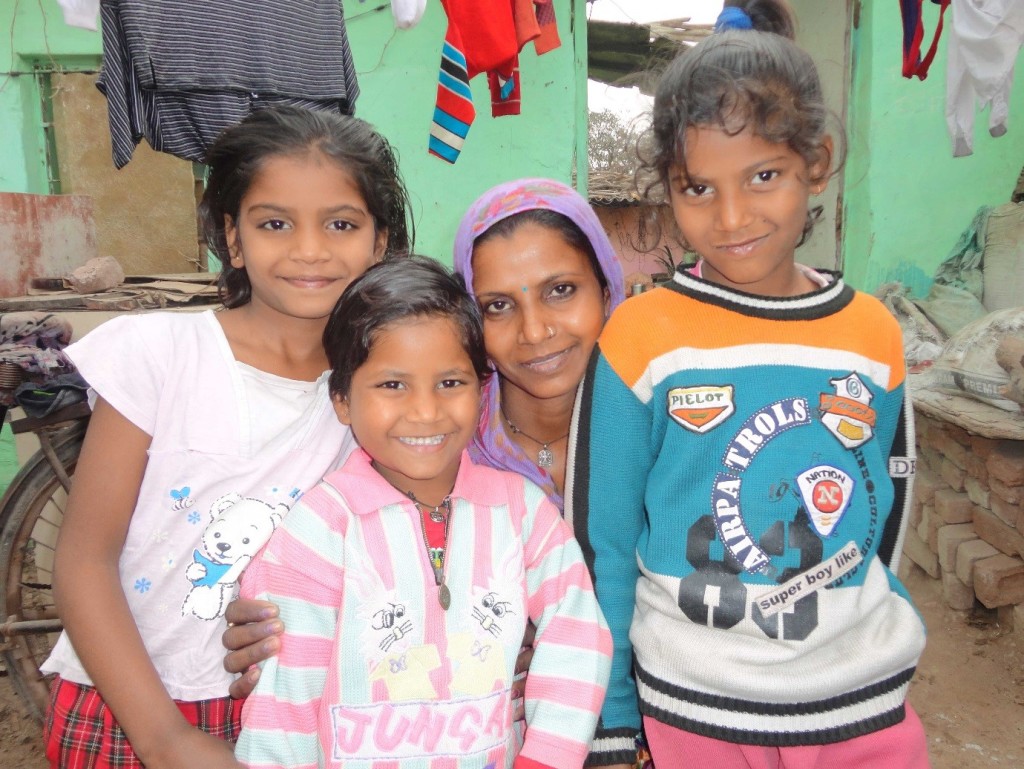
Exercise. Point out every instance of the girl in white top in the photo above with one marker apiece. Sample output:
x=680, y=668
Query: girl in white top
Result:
x=205, y=429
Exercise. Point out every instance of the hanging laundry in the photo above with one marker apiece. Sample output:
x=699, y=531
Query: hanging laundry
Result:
x=913, y=34
x=177, y=72
x=484, y=36
x=534, y=20
x=985, y=39
x=80, y=13
x=407, y=13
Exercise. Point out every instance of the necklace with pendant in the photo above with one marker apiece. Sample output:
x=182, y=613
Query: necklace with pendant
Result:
x=444, y=596
x=545, y=457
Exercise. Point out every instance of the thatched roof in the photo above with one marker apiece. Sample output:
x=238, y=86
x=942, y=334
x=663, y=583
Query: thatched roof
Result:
x=619, y=187
x=629, y=55
x=606, y=187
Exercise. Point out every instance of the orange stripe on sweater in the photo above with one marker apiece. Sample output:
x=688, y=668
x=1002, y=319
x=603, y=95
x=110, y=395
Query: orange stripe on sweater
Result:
x=653, y=324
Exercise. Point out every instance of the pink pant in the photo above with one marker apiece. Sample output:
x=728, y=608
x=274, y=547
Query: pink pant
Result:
x=902, y=746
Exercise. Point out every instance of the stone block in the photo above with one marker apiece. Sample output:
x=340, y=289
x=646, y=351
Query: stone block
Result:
x=951, y=449
x=926, y=483
x=1018, y=620
x=931, y=457
x=957, y=433
x=950, y=539
x=975, y=467
x=982, y=446
x=1005, y=512
x=999, y=580
x=922, y=425
x=953, y=507
x=967, y=555
x=906, y=569
x=928, y=528
x=958, y=595
x=1012, y=494
x=917, y=550
x=953, y=475
x=977, y=492
x=914, y=513
x=1006, y=539
x=1006, y=462
x=98, y=274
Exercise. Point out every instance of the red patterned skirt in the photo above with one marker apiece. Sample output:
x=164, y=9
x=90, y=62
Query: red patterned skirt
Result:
x=81, y=733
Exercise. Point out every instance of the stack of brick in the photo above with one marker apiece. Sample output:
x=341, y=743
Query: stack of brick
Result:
x=967, y=519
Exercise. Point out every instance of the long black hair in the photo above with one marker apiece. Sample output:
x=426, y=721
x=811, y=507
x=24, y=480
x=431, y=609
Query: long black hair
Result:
x=353, y=144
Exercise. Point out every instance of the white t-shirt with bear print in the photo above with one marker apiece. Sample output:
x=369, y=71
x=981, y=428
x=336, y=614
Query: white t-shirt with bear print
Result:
x=232, y=449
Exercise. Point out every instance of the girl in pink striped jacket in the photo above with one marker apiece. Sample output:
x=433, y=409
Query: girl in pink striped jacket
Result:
x=405, y=579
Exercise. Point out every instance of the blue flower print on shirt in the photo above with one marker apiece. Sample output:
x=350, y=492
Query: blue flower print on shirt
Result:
x=143, y=585
x=194, y=517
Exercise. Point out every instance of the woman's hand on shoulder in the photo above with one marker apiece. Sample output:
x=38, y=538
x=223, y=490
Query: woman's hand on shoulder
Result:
x=253, y=635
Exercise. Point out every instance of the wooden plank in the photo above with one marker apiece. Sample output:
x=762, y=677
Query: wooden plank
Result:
x=209, y=278
x=65, y=300
x=176, y=287
x=134, y=298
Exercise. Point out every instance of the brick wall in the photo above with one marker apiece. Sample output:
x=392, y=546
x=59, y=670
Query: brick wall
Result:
x=967, y=519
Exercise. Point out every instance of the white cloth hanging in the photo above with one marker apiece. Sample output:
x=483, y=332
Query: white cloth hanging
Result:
x=407, y=13
x=984, y=41
x=81, y=13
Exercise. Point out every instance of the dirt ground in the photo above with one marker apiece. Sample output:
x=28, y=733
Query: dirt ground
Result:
x=969, y=692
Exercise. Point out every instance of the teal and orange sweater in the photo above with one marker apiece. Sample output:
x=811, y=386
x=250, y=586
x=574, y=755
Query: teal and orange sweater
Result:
x=739, y=488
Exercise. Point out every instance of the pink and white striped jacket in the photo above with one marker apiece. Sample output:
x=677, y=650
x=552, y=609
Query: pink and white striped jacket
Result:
x=374, y=674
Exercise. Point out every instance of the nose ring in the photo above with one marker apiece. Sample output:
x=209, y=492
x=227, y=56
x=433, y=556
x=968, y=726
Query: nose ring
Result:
x=551, y=332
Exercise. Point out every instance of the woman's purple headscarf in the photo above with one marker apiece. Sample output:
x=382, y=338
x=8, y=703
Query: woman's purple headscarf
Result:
x=492, y=445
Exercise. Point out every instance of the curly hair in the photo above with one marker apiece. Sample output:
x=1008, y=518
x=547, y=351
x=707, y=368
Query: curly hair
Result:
x=738, y=80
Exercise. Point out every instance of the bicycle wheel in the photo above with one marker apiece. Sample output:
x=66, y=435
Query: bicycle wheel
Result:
x=31, y=513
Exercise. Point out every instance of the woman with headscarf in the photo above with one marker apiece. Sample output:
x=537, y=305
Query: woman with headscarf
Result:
x=536, y=258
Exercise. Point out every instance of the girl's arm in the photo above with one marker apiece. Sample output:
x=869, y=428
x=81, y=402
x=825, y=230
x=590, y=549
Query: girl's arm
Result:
x=572, y=650
x=612, y=459
x=93, y=606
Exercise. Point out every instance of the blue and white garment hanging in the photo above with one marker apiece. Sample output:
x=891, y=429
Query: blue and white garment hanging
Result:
x=177, y=72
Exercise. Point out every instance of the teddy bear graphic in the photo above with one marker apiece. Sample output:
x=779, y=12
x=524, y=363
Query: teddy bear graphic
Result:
x=238, y=529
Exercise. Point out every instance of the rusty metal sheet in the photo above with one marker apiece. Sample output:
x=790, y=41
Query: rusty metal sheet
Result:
x=42, y=235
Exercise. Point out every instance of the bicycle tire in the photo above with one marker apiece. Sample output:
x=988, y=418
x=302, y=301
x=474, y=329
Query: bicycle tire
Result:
x=31, y=512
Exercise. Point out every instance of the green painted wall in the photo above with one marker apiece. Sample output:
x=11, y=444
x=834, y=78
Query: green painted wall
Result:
x=398, y=78
x=398, y=81
x=907, y=199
